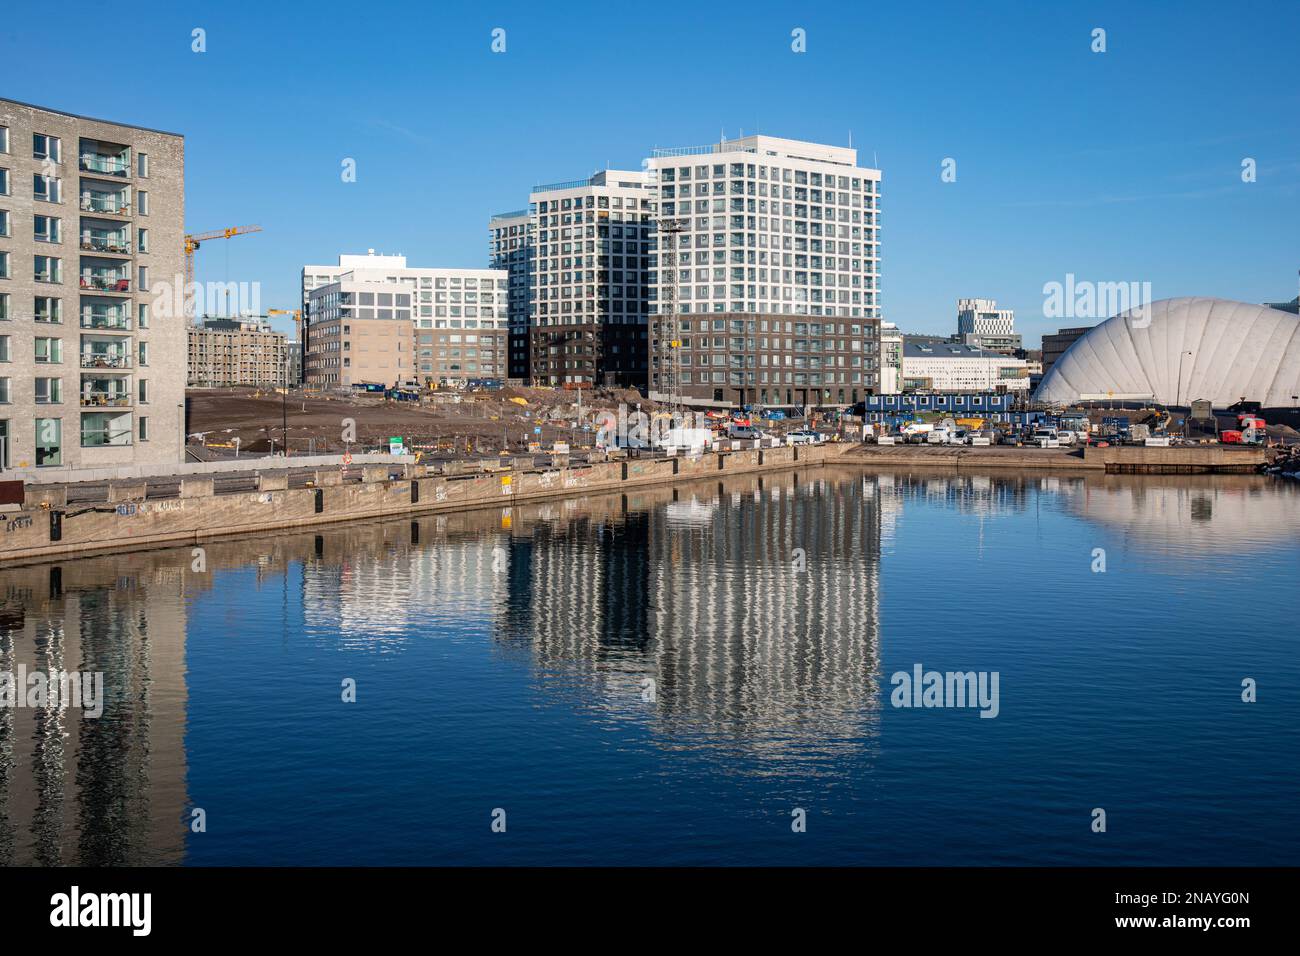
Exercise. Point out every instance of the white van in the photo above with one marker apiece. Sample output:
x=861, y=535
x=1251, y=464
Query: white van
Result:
x=1045, y=438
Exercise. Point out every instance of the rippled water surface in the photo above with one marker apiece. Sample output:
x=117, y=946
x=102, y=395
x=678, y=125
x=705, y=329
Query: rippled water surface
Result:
x=664, y=677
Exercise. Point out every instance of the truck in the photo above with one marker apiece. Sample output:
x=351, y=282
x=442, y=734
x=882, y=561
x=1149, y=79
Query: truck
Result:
x=915, y=431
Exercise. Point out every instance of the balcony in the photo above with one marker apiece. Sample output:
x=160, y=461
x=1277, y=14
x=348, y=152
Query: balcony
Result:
x=106, y=359
x=116, y=282
x=106, y=203
x=105, y=165
x=105, y=428
x=106, y=320
x=97, y=392
x=115, y=242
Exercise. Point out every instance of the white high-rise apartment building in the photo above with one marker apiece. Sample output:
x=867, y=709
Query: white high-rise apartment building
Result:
x=777, y=269
x=371, y=320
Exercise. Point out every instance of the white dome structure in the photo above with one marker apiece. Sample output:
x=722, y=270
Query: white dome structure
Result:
x=1176, y=351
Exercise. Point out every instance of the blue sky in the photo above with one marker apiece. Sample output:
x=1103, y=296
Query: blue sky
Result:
x=1115, y=166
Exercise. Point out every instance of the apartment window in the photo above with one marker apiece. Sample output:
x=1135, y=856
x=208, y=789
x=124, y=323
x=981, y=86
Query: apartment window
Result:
x=143, y=391
x=49, y=391
x=5, y=393
x=143, y=353
x=142, y=314
x=4, y=306
x=47, y=269
x=4, y=265
x=49, y=442
x=144, y=428
x=144, y=278
x=4, y=182
x=142, y=200
x=49, y=351
x=4, y=139
x=45, y=188
x=142, y=164
x=142, y=242
x=4, y=222
x=5, y=355
x=45, y=147
x=48, y=309
x=45, y=228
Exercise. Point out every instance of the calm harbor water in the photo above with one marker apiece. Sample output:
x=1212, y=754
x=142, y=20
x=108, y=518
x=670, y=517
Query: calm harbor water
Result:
x=663, y=678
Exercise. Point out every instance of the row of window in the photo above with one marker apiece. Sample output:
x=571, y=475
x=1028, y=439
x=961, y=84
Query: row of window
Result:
x=49, y=149
x=108, y=316
x=49, y=391
x=98, y=429
x=93, y=239
x=94, y=278
x=49, y=351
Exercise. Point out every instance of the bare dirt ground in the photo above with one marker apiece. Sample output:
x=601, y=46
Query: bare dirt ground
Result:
x=443, y=424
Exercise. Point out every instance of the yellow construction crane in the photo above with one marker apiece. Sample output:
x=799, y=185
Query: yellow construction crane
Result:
x=193, y=241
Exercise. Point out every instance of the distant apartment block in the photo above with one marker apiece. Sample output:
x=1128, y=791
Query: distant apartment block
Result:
x=953, y=367
x=590, y=280
x=981, y=324
x=92, y=366
x=374, y=321
x=510, y=247
x=777, y=273
x=229, y=352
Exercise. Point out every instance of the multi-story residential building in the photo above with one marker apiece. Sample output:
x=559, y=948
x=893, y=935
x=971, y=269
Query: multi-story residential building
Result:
x=92, y=362
x=293, y=359
x=245, y=351
x=981, y=324
x=891, y=359
x=777, y=273
x=510, y=247
x=588, y=299
x=952, y=367
x=389, y=325
x=1054, y=345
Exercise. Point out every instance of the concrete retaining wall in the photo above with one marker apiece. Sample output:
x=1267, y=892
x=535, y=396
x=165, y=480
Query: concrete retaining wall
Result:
x=49, y=527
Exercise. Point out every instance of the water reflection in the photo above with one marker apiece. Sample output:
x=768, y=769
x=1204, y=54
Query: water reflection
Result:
x=740, y=616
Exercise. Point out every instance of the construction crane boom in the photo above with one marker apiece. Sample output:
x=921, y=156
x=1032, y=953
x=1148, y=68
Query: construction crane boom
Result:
x=192, y=243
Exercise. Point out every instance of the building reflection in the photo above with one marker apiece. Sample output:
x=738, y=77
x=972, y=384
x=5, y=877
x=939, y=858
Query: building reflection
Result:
x=740, y=614
x=76, y=790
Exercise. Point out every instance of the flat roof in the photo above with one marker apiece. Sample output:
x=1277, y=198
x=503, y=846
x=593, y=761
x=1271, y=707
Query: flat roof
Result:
x=93, y=119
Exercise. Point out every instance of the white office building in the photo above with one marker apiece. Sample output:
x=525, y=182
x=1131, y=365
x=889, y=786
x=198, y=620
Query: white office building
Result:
x=952, y=367
x=980, y=323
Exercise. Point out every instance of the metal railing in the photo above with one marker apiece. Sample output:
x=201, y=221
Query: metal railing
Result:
x=96, y=163
x=105, y=359
x=105, y=400
x=105, y=204
x=121, y=246
x=702, y=150
x=112, y=323
x=106, y=283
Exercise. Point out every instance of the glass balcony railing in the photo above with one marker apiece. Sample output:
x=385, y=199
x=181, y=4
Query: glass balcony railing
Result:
x=108, y=243
x=105, y=359
x=114, y=205
x=96, y=399
x=108, y=165
x=106, y=283
x=111, y=321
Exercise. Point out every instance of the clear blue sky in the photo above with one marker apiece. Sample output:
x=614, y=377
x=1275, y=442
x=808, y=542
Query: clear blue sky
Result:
x=1122, y=166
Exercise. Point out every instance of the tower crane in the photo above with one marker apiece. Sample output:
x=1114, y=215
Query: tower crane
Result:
x=194, y=240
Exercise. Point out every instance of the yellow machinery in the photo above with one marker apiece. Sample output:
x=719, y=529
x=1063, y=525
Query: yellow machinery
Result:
x=194, y=240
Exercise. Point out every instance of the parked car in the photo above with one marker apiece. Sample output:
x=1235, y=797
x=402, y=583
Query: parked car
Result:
x=1066, y=438
x=1045, y=438
x=804, y=437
